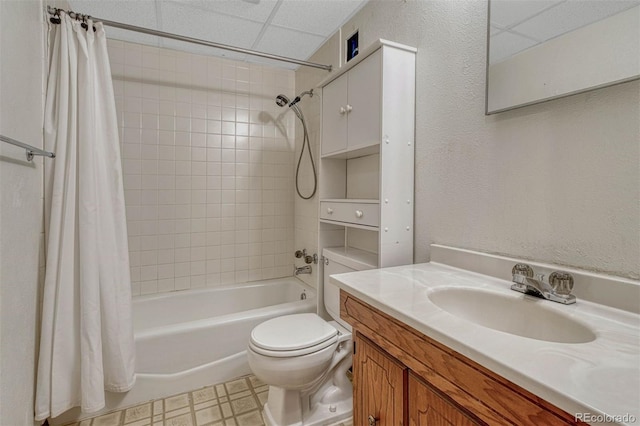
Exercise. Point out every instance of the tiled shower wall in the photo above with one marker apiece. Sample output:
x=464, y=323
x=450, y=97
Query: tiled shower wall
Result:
x=208, y=168
x=306, y=211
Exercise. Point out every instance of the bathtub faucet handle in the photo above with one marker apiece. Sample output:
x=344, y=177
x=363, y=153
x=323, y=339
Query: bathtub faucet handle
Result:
x=311, y=259
x=300, y=253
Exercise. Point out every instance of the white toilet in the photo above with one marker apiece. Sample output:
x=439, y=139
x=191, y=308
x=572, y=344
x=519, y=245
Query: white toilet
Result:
x=304, y=360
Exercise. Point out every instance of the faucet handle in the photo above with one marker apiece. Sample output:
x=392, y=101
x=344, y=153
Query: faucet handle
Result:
x=561, y=282
x=522, y=269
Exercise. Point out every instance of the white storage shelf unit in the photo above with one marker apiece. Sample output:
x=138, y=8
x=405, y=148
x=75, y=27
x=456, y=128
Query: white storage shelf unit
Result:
x=367, y=156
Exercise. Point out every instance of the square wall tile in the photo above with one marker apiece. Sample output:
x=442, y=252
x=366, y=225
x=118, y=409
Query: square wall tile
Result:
x=205, y=177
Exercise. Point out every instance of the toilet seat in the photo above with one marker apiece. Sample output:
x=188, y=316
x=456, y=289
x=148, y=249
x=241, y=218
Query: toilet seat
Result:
x=292, y=335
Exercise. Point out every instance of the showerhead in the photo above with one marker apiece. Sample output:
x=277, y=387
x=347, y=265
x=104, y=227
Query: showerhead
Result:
x=282, y=100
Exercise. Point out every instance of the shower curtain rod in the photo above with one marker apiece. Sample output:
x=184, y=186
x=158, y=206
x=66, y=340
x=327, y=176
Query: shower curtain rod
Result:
x=74, y=15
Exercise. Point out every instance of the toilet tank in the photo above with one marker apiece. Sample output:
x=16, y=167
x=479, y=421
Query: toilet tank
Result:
x=339, y=260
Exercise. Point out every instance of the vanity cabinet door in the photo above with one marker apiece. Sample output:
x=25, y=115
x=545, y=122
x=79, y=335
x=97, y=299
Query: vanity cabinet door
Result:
x=428, y=408
x=378, y=386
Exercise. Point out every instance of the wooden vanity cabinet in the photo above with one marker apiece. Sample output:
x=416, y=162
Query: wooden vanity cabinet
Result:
x=378, y=386
x=402, y=377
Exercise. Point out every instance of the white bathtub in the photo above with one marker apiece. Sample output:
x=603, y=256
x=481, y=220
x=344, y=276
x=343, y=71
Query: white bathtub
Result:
x=208, y=330
x=193, y=338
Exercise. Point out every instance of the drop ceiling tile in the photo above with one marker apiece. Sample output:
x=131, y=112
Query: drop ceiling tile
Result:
x=303, y=24
x=197, y=23
x=290, y=43
x=507, y=44
x=321, y=17
x=254, y=10
x=140, y=13
x=133, y=37
x=506, y=13
x=570, y=15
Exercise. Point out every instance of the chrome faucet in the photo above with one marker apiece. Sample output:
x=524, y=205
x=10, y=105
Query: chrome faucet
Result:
x=556, y=287
x=301, y=270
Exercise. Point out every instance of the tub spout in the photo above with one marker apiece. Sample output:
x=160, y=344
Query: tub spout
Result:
x=302, y=270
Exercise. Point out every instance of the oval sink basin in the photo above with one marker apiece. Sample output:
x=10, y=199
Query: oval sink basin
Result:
x=525, y=317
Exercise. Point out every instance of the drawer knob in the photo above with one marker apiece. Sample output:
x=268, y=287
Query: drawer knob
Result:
x=329, y=210
x=359, y=214
x=372, y=420
x=343, y=111
x=349, y=108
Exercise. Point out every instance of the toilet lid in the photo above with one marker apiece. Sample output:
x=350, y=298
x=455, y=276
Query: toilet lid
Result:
x=292, y=332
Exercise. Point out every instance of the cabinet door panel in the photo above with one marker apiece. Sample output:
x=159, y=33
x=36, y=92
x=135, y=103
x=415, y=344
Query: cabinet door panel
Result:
x=427, y=408
x=334, y=123
x=378, y=386
x=365, y=100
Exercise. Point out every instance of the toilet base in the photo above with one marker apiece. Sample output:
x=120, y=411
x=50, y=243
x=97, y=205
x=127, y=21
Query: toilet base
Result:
x=328, y=402
x=324, y=401
x=283, y=408
x=322, y=414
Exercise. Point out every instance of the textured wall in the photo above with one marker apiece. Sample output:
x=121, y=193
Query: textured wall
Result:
x=208, y=161
x=556, y=182
x=21, y=205
x=306, y=211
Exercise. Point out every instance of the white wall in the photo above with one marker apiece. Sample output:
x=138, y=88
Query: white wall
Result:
x=306, y=211
x=208, y=166
x=556, y=182
x=21, y=205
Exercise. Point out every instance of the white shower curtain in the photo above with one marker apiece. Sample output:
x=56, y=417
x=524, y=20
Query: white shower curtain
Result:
x=86, y=343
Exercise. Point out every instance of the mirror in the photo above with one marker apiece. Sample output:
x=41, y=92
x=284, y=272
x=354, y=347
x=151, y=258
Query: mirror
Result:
x=540, y=50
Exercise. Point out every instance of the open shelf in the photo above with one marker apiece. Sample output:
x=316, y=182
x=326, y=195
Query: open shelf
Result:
x=354, y=258
x=350, y=200
x=353, y=152
x=350, y=225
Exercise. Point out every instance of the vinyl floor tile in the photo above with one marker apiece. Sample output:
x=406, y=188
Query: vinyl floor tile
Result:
x=238, y=402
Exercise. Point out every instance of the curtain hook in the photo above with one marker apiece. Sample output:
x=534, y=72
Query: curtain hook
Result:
x=89, y=18
x=55, y=19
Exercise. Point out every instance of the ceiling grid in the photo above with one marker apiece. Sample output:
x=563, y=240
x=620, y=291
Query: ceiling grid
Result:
x=292, y=28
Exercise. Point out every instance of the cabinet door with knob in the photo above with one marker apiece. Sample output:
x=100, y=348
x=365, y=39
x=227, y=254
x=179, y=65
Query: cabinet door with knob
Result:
x=378, y=386
x=428, y=408
x=352, y=107
x=334, y=116
x=364, y=106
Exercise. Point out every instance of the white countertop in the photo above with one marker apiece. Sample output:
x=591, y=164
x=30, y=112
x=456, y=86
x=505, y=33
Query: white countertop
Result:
x=601, y=377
